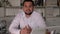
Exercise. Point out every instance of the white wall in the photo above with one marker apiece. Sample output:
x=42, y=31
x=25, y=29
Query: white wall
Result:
x=51, y=2
x=1, y=12
x=15, y=2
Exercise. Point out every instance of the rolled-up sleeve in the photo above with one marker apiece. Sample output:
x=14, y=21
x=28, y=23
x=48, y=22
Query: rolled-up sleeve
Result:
x=13, y=29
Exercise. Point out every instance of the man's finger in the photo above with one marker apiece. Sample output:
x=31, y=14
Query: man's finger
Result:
x=25, y=27
x=28, y=27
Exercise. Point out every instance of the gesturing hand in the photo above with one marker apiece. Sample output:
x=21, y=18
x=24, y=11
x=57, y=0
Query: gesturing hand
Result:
x=26, y=30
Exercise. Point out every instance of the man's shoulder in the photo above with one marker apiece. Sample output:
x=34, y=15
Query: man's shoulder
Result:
x=20, y=13
x=37, y=14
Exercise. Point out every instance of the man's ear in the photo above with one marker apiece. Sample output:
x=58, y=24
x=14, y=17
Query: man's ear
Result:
x=34, y=7
x=23, y=8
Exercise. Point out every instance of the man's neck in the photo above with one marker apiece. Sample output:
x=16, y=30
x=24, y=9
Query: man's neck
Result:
x=28, y=16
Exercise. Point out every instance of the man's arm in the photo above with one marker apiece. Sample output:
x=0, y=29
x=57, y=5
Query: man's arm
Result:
x=41, y=23
x=13, y=29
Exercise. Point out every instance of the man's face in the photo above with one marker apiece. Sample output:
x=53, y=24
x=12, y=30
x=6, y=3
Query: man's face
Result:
x=28, y=8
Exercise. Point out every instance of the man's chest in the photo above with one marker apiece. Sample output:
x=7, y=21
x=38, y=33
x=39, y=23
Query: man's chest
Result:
x=31, y=22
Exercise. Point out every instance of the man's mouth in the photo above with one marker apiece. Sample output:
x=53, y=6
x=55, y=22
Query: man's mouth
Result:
x=29, y=13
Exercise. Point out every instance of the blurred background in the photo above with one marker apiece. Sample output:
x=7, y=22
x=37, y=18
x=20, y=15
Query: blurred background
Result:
x=49, y=9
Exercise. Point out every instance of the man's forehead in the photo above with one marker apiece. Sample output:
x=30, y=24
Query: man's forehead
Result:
x=28, y=3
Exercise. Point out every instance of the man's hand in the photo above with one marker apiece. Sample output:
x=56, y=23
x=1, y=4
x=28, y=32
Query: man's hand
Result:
x=26, y=30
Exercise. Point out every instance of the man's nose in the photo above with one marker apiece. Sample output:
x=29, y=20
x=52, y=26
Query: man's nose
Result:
x=28, y=9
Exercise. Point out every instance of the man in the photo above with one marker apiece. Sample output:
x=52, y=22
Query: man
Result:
x=27, y=20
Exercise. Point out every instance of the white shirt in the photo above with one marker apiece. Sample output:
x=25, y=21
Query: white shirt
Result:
x=34, y=21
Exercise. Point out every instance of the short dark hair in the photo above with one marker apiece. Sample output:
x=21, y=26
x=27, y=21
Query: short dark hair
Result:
x=28, y=1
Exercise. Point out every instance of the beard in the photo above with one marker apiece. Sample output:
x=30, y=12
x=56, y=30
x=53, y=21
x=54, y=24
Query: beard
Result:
x=28, y=13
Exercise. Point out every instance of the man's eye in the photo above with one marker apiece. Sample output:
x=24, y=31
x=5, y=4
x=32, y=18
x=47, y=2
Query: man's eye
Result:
x=25, y=6
x=30, y=6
